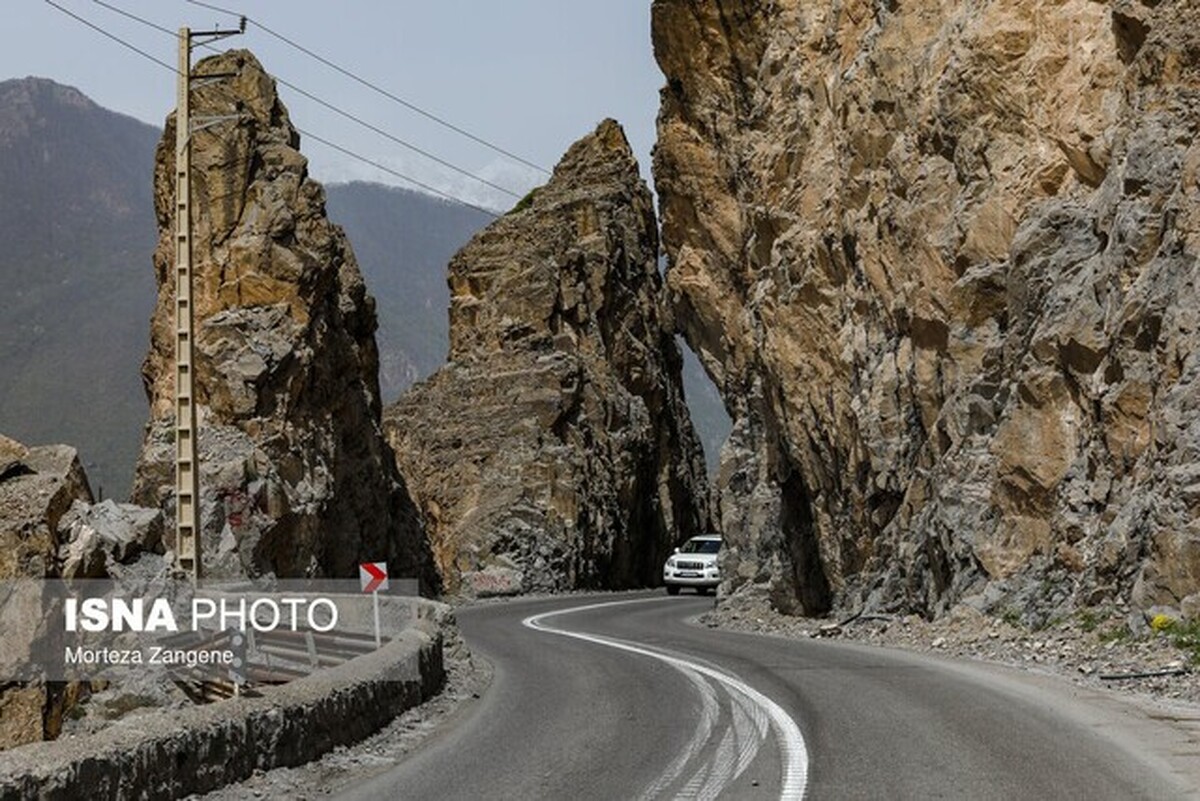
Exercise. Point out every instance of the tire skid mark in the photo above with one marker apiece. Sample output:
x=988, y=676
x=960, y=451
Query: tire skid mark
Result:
x=721, y=767
x=749, y=725
x=743, y=738
x=734, y=753
x=709, y=713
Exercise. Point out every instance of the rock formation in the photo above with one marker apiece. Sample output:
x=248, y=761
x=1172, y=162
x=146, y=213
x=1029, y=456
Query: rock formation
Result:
x=296, y=476
x=941, y=260
x=37, y=487
x=554, y=450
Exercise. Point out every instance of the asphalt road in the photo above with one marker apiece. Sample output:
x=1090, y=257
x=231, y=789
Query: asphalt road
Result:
x=623, y=699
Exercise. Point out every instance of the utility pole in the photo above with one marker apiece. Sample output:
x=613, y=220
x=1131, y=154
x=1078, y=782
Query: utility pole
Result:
x=187, y=467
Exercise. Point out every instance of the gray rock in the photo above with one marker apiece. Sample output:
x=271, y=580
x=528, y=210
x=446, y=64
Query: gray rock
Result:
x=95, y=536
x=38, y=486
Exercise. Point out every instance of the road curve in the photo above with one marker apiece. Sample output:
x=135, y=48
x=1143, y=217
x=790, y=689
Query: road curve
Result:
x=618, y=697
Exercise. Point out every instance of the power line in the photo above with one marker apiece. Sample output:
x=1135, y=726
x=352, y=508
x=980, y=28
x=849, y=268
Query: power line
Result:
x=135, y=17
x=393, y=138
x=389, y=170
x=339, y=111
x=376, y=88
x=114, y=37
x=326, y=142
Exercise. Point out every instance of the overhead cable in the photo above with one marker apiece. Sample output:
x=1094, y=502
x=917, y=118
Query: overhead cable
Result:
x=376, y=88
x=112, y=36
x=346, y=151
x=390, y=171
x=339, y=111
x=135, y=17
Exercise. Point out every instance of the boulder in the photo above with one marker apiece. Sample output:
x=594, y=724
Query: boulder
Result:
x=94, y=537
x=38, y=486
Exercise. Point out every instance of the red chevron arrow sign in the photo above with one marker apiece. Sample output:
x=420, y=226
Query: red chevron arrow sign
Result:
x=373, y=576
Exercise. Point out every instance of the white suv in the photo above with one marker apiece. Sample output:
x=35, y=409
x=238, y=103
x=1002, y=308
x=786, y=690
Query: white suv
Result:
x=694, y=565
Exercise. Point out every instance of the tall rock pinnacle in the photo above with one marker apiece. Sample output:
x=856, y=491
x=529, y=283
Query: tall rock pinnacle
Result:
x=554, y=451
x=296, y=478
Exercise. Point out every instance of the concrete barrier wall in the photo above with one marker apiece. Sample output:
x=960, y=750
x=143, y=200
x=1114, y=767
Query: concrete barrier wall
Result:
x=168, y=754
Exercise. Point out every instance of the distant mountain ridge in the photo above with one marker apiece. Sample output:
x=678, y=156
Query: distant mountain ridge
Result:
x=76, y=288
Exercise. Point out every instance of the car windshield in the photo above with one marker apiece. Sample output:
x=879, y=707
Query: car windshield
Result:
x=701, y=546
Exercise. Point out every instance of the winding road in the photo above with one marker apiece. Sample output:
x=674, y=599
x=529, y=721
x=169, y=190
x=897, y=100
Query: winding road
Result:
x=620, y=697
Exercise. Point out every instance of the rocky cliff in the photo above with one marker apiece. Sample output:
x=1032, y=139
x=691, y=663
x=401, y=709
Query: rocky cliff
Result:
x=296, y=478
x=554, y=451
x=941, y=260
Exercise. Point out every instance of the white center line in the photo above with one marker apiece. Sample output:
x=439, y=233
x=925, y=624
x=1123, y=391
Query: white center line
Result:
x=793, y=752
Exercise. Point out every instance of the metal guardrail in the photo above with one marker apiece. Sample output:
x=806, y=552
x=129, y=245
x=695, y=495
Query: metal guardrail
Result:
x=269, y=658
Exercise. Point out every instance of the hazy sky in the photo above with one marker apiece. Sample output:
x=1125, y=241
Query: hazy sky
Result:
x=530, y=75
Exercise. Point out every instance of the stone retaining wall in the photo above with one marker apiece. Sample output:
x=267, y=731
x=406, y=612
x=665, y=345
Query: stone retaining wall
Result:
x=169, y=754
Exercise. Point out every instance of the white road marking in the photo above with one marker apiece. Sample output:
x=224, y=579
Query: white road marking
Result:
x=793, y=752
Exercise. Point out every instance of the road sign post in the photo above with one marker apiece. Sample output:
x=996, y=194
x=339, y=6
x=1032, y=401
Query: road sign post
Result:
x=373, y=577
x=237, y=669
x=375, y=601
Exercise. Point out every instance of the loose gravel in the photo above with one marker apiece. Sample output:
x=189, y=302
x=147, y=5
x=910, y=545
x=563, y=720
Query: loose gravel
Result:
x=1098, y=648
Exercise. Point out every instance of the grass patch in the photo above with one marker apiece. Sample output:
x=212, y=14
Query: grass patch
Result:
x=1117, y=633
x=1186, y=637
x=526, y=201
x=1089, y=620
x=1012, y=617
x=1050, y=623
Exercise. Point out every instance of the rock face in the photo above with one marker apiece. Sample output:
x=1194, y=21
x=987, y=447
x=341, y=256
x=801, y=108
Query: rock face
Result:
x=554, y=450
x=37, y=487
x=296, y=476
x=941, y=260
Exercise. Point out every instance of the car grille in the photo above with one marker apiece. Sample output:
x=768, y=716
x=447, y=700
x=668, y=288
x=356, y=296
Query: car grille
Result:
x=689, y=565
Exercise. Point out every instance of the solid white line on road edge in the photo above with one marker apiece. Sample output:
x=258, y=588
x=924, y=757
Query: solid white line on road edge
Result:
x=793, y=751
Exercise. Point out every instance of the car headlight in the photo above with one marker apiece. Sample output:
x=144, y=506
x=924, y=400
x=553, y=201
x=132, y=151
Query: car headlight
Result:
x=671, y=563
